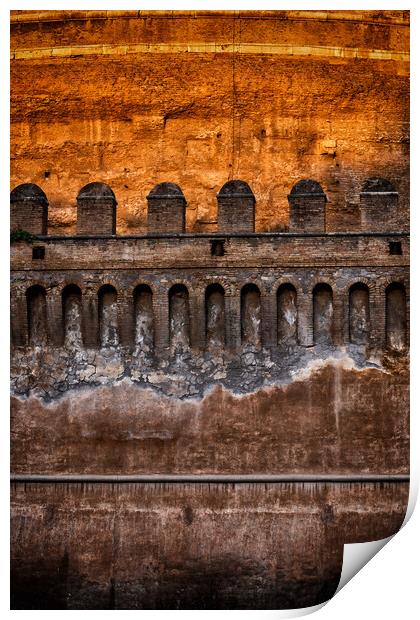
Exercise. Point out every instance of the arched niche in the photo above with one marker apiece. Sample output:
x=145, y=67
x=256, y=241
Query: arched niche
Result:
x=108, y=316
x=179, y=316
x=36, y=299
x=287, y=316
x=323, y=314
x=215, y=315
x=144, y=318
x=72, y=316
x=359, y=314
x=251, y=315
x=396, y=316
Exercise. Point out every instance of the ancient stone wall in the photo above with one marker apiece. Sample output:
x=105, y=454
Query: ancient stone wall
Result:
x=29, y=209
x=223, y=291
x=166, y=364
x=200, y=98
x=322, y=292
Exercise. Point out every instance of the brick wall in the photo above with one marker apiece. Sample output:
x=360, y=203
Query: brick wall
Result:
x=195, y=251
x=181, y=526
x=307, y=207
x=29, y=209
x=96, y=210
x=236, y=208
x=166, y=209
x=188, y=296
x=378, y=209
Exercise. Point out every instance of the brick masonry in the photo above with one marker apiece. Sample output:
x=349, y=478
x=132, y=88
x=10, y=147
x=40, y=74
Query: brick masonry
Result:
x=29, y=209
x=96, y=210
x=166, y=209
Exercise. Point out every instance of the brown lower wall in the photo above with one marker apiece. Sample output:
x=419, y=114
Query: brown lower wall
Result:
x=190, y=546
x=331, y=418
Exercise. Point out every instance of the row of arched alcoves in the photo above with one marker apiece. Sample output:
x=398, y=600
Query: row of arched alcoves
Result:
x=180, y=317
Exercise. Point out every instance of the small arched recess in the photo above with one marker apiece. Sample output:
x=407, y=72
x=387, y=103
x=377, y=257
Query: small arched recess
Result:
x=108, y=316
x=179, y=316
x=36, y=300
x=251, y=315
x=359, y=314
x=396, y=316
x=215, y=315
x=286, y=314
x=144, y=319
x=72, y=316
x=323, y=311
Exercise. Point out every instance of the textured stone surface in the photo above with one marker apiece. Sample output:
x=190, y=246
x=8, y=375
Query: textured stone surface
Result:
x=191, y=546
x=186, y=252
x=269, y=114
x=329, y=417
x=215, y=353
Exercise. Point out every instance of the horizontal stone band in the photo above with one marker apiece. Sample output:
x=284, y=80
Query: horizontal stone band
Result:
x=210, y=47
x=206, y=478
x=397, y=18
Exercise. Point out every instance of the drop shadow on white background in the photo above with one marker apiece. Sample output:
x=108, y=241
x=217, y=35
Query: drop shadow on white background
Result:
x=375, y=592
x=355, y=558
x=388, y=585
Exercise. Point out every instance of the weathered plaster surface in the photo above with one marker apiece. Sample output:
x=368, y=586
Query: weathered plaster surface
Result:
x=327, y=415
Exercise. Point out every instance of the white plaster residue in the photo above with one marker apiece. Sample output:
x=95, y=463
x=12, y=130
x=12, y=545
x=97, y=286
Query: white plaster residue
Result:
x=109, y=373
x=112, y=369
x=345, y=363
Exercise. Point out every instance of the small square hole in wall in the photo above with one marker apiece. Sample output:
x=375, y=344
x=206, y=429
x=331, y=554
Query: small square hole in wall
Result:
x=395, y=247
x=218, y=247
x=38, y=253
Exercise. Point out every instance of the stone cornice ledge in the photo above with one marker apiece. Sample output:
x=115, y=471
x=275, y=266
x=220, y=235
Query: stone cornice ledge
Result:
x=121, y=49
x=395, y=18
